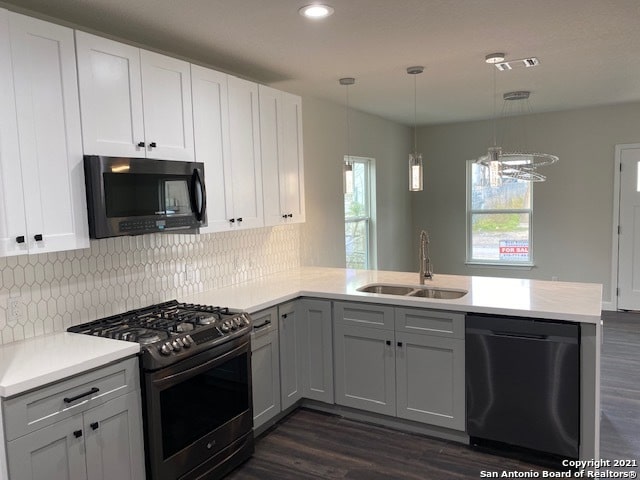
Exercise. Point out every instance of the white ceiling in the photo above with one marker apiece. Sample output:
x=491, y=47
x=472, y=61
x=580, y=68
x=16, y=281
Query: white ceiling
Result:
x=589, y=49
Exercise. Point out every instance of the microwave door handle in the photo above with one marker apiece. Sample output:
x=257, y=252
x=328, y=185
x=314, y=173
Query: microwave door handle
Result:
x=197, y=182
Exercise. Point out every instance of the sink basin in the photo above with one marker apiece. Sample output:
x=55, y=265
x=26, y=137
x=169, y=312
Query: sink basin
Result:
x=441, y=293
x=386, y=289
x=413, y=291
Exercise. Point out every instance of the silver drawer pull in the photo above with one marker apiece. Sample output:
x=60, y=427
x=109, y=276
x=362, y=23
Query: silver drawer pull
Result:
x=265, y=324
x=85, y=394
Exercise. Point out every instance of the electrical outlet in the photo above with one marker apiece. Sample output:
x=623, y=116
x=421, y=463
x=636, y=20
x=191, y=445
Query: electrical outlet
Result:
x=15, y=310
x=190, y=273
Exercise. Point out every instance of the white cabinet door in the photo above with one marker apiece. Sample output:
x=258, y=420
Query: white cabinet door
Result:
x=365, y=376
x=271, y=153
x=111, y=94
x=430, y=379
x=211, y=141
x=113, y=439
x=316, y=349
x=292, y=170
x=168, y=116
x=55, y=452
x=12, y=219
x=282, y=161
x=246, y=166
x=48, y=116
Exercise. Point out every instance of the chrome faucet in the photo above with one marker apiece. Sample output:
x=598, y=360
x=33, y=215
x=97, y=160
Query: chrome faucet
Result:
x=426, y=269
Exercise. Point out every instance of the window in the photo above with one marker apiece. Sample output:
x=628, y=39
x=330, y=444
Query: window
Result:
x=358, y=216
x=498, y=219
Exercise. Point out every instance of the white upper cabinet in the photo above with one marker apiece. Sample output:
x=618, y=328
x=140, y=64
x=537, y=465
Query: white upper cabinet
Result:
x=134, y=103
x=211, y=135
x=42, y=203
x=246, y=166
x=282, y=158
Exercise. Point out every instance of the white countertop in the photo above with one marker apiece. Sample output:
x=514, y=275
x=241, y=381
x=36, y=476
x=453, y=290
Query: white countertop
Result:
x=576, y=302
x=37, y=361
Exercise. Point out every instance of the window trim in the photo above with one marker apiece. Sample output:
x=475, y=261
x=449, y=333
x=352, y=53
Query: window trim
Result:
x=469, y=230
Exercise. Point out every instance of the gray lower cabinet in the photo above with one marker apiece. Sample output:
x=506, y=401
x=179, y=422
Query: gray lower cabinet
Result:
x=265, y=366
x=290, y=335
x=365, y=368
x=87, y=427
x=430, y=379
x=405, y=362
x=314, y=317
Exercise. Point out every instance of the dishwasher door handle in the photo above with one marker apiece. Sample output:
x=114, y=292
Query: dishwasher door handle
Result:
x=525, y=336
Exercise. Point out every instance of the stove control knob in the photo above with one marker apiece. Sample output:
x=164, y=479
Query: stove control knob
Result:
x=246, y=320
x=187, y=341
x=179, y=341
x=234, y=325
x=176, y=346
x=225, y=327
x=166, y=349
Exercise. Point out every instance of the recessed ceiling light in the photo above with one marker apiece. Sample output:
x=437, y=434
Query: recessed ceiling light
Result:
x=316, y=11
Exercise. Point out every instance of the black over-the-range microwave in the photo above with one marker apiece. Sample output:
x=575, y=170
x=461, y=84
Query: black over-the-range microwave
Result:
x=132, y=196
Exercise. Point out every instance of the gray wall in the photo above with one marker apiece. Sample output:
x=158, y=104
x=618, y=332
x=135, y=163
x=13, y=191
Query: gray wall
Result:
x=572, y=210
x=324, y=147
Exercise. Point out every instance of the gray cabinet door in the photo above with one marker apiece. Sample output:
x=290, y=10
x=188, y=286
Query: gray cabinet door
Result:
x=51, y=453
x=265, y=373
x=430, y=379
x=365, y=368
x=290, y=365
x=316, y=349
x=113, y=439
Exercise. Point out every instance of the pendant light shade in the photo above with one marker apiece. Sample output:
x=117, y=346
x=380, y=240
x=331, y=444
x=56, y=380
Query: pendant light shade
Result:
x=347, y=166
x=415, y=159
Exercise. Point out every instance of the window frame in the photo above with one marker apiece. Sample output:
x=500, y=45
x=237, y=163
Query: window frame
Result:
x=469, y=227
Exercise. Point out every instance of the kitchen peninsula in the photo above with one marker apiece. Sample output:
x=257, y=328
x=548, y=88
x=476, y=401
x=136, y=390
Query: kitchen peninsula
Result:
x=338, y=289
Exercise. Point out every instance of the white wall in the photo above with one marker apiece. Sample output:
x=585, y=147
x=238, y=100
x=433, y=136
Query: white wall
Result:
x=322, y=242
x=572, y=219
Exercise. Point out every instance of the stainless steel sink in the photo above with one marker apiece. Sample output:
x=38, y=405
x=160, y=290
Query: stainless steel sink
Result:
x=441, y=293
x=386, y=289
x=413, y=291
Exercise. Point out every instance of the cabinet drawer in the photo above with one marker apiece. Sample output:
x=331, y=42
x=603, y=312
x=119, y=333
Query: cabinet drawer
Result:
x=364, y=315
x=37, y=409
x=430, y=322
x=264, y=322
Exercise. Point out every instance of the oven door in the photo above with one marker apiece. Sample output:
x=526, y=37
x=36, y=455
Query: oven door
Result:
x=196, y=408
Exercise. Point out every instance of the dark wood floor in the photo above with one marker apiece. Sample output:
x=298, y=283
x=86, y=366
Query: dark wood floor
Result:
x=313, y=445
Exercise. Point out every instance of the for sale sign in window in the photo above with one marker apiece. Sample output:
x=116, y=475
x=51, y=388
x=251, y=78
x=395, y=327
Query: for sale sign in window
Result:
x=514, y=250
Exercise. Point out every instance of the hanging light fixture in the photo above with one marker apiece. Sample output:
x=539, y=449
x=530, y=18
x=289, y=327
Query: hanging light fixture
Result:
x=347, y=167
x=518, y=164
x=415, y=158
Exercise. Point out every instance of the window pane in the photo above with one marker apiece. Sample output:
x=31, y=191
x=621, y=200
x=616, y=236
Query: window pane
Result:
x=500, y=237
x=356, y=204
x=511, y=194
x=357, y=243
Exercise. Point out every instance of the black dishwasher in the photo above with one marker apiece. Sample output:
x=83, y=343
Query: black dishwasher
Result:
x=523, y=384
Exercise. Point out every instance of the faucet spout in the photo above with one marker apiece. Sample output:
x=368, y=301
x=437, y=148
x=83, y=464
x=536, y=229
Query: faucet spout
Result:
x=426, y=269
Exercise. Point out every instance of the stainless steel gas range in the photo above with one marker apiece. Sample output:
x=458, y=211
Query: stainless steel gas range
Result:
x=196, y=383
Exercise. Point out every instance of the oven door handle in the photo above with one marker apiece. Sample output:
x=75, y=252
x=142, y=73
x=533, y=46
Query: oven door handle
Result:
x=168, y=380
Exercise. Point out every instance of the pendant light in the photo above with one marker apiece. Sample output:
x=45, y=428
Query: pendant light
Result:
x=415, y=158
x=347, y=167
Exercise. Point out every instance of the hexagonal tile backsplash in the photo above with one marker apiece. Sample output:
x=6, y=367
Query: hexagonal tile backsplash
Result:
x=46, y=293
